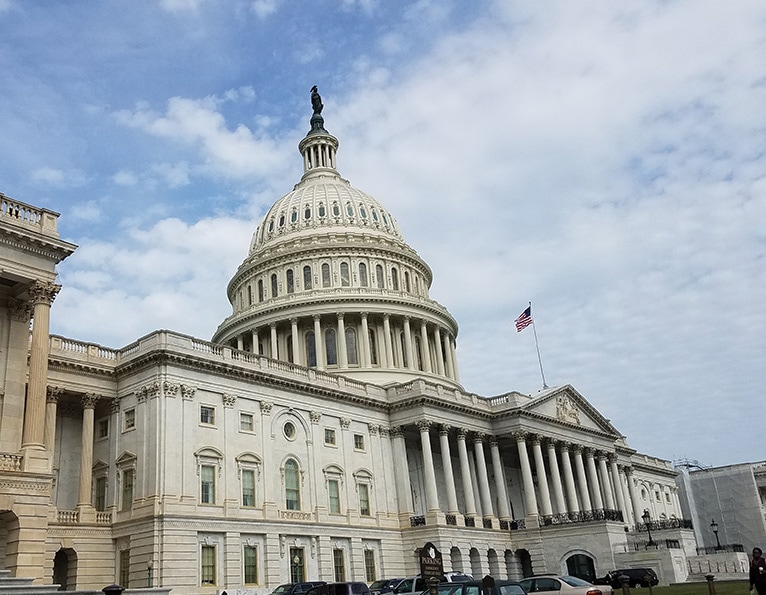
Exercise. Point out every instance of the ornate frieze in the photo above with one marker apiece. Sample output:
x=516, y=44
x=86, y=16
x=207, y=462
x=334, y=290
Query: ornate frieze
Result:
x=345, y=422
x=315, y=416
x=266, y=407
x=188, y=392
x=229, y=400
x=566, y=410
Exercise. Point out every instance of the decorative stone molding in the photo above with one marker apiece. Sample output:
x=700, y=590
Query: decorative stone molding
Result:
x=89, y=400
x=169, y=389
x=424, y=425
x=444, y=430
x=20, y=311
x=566, y=410
x=345, y=422
x=53, y=394
x=373, y=429
x=315, y=416
x=229, y=400
x=384, y=431
x=462, y=433
x=43, y=293
x=479, y=438
x=397, y=432
x=519, y=436
x=114, y=406
x=188, y=392
x=266, y=407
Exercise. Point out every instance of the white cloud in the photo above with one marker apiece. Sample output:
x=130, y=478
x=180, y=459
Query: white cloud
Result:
x=59, y=178
x=125, y=178
x=180, y=5
x=265, y=8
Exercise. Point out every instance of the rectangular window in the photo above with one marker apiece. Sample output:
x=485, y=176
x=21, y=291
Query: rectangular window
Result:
x=334, y=493
x=248, y=487
x=369, y=566
x=103, y=428
x=297, y=569
x=100, y=494
x=127, y=489
x=125, y=568
x=129, y=417
x=329, y=436
x=250, y=563
x=207, y=566
x=358, y=441
x=364, y=499
x=207, y=415
x=339, y=566
x=207, y=484
x=246, y=422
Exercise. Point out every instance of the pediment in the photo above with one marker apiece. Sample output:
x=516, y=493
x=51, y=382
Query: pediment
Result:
x=566, y=406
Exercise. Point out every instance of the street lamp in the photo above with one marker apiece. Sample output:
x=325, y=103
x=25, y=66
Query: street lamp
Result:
x=714, y=527
x=646, y=517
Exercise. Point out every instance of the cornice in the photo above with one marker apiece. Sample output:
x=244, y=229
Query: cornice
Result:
x=33, y=242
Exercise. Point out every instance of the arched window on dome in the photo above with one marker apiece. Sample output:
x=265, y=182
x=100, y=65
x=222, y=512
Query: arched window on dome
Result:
x=322, y=211
x=335, y=209
x=290, y=353
x=362, y=212
x=373, y=346
x=417, y=284
x=407, y=281
x=325, y=275
x=274, y=285
x=385, y=219
x=271, y=225
x=281, y=220
x=418, y=361
x=260, y=290
x=362, y=274
x=307, y=277
x=345, y=277
x=294, y=216
x=311, y=351
x=352, y=355
x=379, y=277
x=249, y=295
x=330, y=345
x=290, y=281
x=394, y=279
x=307, y=213
x=374, y=215
x=350, y=209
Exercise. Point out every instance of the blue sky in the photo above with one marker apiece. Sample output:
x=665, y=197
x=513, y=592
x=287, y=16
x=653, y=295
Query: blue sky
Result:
x=606, y=161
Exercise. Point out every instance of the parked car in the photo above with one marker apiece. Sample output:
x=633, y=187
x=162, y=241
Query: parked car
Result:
x=385, y=585
x=502, y=587
x=296, y=588
x=456, y=576
x=417, y=584
x=563, y=585
x=638, y=577
x=349, y=588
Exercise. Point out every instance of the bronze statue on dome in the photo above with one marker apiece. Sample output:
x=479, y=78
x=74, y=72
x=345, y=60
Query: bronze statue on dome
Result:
x=316, y=101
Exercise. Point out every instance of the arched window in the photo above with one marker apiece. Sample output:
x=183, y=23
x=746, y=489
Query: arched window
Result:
x=345, y=280
x=274, y=285
x=379, y=278
x=307, y=213
x=325, y=275
x=407, y=281
x=260, y=290
x=394, y=350
x=331, y=347
x=418, y=362
x=405, y=350
x=294, y=216
x=322, y=210
x=373, y=347
x=349, y=209
x=351, y=350
x=362, y=274
x=335, y=209
x=307, y=277
x=290, y=354
x=292, y=485
x=249, y=296
x=417, y=285
x=311, y=351
x=394, y=279
x=290, y=281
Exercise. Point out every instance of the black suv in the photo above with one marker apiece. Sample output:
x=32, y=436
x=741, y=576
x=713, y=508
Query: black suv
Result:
x=296, y=588
x=637, y=577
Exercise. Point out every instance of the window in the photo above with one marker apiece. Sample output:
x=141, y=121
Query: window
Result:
x=207, y=415
x=249, y=295
x=250, y=564
x=339, y=566
x=322, y=210
x=274, y=285
x=379, y=278
x=329, y=436
x=207, y=484
x=364, y=499
x=333, y=492
x=129, y=419
x=667, y=497
x=248, y=487
x=369, y=566
x=311, y=350
x=297, y=568
x=103, y=428
x=358, y=441
x=307, y=213
x=307, y=277
x=362, y=274
x=290, y=281
x=100, y=494
x=289, y=430
x=657, y=496
x=246, y=422
x=330, y=347
x=373, y=347
x=345, y=280
x=325, y=275
x=394, y=279
x=407, y=281
x=260, y=290
x=125, y=568
x=207, y=566
x=351, y=351
x=335, y=209
x=292, y=485
x=128, y=476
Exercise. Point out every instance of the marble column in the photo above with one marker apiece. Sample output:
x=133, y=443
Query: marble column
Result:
x=637, y=511
x=86, y=454
x=449, y=477
x=617, y=483
x=387, y=341
x=51, y=404
x=582, y=482
x=41, y=298
x=604, y=477
x=432, y=496
x=530, y=502
x=448, y=356
x=297, y=351
x=256, y=342
x=558, y=490
x=598, y=503
x=481, y=471
x=341, y=343
x=408, y=357
x=503, y=510
x=274, y=347
x=453, y=357
x=318, y=343
x=542, y=477
x=364, y=342
x=425, y=354
x=401, y=471
x=465, y=474
x=241, y=342
x=439, y=352
x=569, y=482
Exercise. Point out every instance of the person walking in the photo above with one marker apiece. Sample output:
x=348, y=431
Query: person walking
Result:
x=758, y=572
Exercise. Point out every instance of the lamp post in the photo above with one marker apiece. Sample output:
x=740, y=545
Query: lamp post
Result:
x=646, y=517
x=149, y=575
x=714, y=527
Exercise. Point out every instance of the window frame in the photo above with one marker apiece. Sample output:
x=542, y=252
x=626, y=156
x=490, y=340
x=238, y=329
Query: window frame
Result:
x=204, y=409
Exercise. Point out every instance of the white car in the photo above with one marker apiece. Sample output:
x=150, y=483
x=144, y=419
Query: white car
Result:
x=562, y=585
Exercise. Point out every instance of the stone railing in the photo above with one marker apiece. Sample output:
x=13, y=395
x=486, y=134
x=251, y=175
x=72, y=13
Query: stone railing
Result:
x=295, y=515
x=10, y=462
x=585, y=516
x=22, y=214
x=68, y=517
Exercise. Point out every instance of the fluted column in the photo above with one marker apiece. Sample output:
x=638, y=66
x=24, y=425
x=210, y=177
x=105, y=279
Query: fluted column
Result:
x=617, y=483
x=637, y=512
x=387, y=341
x=241, y=342
x=449, y=477
x=432, y=497
x=481, y=471
x=425, y=354
x=604, y=477
x=364, y=342
x=582, y=483
x=439, y=352
x=274, y=347
x=318, y=343
x=569, y=482
x=297, y=359
x=448, y=356
x=558, y=490
x=503, y=510
x=453, y=357
x=256, y=341
x=401, y=471
x=598, y=503
x=51, y=403
x=341, y=344
x=408, y=356
x=530, y=501
x=41, y=297
x=465, y=474
x=542, y=477
x=86, y=454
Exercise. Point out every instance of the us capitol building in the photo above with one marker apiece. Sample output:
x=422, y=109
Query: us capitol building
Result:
x=322, y=434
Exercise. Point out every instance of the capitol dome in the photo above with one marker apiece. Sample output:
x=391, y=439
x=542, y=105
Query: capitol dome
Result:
x=329, y=283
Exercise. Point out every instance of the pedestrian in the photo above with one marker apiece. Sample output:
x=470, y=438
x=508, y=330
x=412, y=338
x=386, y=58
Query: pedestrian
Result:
x=758, y=572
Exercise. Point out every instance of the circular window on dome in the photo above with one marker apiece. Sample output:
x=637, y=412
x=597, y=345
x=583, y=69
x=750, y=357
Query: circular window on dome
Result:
x=289, y=430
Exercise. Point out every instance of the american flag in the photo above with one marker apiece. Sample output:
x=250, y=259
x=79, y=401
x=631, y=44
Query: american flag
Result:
x=524, y=319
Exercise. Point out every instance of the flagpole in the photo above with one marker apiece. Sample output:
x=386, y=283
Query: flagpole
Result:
x=537, y=346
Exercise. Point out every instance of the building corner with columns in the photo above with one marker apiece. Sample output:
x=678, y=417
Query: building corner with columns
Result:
x=322, y=434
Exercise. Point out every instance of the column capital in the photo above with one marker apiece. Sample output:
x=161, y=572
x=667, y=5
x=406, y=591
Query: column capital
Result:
x=20, y=310
x=364, y=315
x=315, y=416
x=444, y=430
x=386, y=316
x=628, y=470
x=272, y=325
x=43, y=293
x=407, y=318
x=551, y=442
x=316, y=317
x=397, y=432
x=424, y=425
x=373, y=429
x=479, y=437
x=612, y=457
x=602, y=455
x=519, y=436
x=293, y=320
x=89, y=400
x=340, y=315
x=576, y=448
x=53, y=394
x=462, y=433
x=535, y=438
x=493, y=441
x=589, y=452
x=565, y=445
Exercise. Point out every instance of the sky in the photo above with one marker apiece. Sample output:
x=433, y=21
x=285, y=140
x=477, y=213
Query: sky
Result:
x=604, y=161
